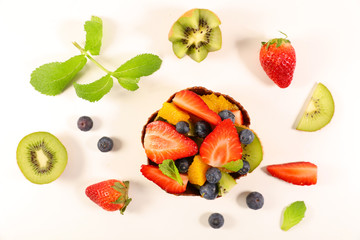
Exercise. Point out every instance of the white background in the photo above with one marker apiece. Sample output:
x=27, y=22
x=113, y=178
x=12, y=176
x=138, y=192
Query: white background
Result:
x=325, y=35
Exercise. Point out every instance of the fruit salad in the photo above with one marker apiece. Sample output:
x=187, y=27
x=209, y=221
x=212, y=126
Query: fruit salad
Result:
x=199, y=143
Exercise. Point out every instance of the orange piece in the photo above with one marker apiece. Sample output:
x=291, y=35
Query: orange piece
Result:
x=197, y=171
x=172, y=113
x=218, y=103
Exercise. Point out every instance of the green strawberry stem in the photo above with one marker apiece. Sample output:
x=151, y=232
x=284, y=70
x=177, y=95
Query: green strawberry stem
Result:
x=84, y=52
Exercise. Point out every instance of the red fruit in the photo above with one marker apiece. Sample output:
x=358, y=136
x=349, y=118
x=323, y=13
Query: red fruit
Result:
x=298, y=173
x=222, y=145
x=168, y=184
x=111, y=194
x=162, y=142
x=192, y=103
x=238, y=117
x=277, y=57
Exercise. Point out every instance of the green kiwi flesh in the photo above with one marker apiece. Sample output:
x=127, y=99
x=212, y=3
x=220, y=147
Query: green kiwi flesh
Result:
x=319, y=110
x=253, y=152
x=195, y=34
x=41, y=157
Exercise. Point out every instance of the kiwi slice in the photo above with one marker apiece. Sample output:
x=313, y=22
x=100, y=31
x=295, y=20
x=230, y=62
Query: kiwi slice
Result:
x=253, y=152
x=319, y=110
x=195, y=34
x=41, y=157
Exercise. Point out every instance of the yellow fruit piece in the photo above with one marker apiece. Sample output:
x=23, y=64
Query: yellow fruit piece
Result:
x=218, y=103
x=197, y=171
x=172, y=113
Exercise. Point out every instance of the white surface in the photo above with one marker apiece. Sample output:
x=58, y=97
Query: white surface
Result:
x=324, y=35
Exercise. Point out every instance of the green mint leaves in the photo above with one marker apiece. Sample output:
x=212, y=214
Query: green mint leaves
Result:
x=94, y=35
x=96, y=90
x=169, y=169
x=293, y=215
x=53, y=78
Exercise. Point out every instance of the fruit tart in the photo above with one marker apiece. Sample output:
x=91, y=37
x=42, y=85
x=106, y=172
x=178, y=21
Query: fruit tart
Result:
x=199, y=143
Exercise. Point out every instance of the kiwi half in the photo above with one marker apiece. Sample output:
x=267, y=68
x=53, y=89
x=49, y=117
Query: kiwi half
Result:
x=319, y=110
x=41, y=157
x=253, y=152
x=195, y=34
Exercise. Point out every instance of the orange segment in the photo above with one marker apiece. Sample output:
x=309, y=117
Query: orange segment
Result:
x=172, y=113
x=197, y=171
x=218, y=103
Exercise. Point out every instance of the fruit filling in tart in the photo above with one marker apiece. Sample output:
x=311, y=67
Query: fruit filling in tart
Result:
x=199, y=143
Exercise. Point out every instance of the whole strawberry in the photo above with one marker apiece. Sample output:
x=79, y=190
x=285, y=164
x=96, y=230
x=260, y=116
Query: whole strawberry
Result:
x=277, y=58
x=111, y=194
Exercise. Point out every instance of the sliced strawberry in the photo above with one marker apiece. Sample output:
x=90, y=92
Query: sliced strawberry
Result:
x=162, y=141
x=222, y=145
x=298, y=173
x=192, y=103
x=170, y=185
x=238, y=117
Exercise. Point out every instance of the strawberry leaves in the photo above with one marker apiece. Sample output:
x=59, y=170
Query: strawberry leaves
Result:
x=124, y=198
x=53, y=78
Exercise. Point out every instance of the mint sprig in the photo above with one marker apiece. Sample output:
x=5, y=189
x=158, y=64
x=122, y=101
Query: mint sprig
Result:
x=293, y=214
x=169, y=169
x=53, y=78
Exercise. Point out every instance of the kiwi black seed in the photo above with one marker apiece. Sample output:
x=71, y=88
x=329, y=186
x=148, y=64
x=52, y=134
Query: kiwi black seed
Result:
x=41, y=157
x=319, y=110
x=195, y=34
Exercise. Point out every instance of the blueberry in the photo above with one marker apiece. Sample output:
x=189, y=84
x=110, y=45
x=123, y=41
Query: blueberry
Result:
x=225, y=114
x=246, y=136
x=105, y=144
x=182, y=127
x=85, y=123
x=183, y=164
x=255, y=200
x=245, y=169
x=209, y=191
x=202, y=128
x=216, y=220
x=213, y=175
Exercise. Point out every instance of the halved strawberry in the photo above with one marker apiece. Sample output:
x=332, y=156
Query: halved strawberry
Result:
x=192, y=103
x=222, y=145
x=170, y=185
x=238, y=117
x=298, y=173
x=162, y=141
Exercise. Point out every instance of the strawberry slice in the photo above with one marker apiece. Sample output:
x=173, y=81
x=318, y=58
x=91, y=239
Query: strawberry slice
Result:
x=298, y=173
x=238, y=117
x=192, y=103
x=162, y=141
x=168, y=184
x=222, y=145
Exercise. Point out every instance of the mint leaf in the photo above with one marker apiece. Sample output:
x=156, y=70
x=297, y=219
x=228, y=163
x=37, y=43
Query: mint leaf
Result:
x=141, y=65
x=96, y=90
x=234, y=166
x=169, y=169
x=129, y=83
x=293, y=215
x=52, y=78
x=94, y=34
